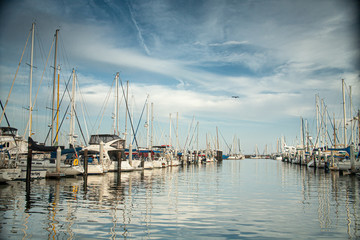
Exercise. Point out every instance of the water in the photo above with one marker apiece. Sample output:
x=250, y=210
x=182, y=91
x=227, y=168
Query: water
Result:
x=248, y=199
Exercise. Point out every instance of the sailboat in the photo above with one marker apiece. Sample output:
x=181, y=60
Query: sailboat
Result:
x=104, y=149
x=235, y=155
x=12, y=145
x=8, y=169
x=256, y=155
x=171, y=154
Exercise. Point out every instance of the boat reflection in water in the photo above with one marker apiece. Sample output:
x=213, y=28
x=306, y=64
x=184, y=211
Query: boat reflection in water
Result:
x=234, y=199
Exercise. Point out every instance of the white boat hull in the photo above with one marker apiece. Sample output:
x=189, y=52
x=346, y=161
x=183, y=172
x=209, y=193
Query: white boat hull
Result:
x=66, y=169
x=174, y=163
x=95, y=169
x=157, y=164
x=4, y=176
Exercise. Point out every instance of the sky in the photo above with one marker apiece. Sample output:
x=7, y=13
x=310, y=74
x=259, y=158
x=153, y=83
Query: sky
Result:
x=250, y=69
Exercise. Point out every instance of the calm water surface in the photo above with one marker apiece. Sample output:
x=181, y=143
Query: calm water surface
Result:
x=248, y=199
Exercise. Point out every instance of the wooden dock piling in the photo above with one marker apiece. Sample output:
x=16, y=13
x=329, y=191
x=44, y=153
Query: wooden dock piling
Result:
x=86, y=163
x=28, y=163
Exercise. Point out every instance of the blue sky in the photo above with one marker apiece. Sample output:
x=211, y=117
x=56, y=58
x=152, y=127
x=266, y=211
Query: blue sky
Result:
x=190, y=57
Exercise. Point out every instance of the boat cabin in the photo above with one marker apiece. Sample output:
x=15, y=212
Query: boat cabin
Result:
x=105, y=138
x=8, y=131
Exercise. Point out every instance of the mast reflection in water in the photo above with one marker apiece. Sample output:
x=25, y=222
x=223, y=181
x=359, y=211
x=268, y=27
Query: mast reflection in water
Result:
x=253, y=198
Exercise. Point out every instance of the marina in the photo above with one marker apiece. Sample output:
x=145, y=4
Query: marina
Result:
x=179, y=120
x=233, y=199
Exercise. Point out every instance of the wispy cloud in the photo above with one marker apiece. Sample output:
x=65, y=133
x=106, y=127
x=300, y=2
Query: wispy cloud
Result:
x=141, y=39
x=228, y=43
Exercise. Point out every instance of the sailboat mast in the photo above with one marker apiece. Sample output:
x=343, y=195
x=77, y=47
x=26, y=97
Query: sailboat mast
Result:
x=322, y=132
x=302, y=132
x=317, y=119
x=54, y=87
x=116, y=106
x=117, y=103
x=197, y=141
x=217, y=138
x=31, y=70
x=126, y=100
x=152, y=126
x=343, y=93
x=358, y=118
x=325, y=133
x=170, y=131
x=147, y=123
x=334, y=132
x=351, y=123
x=57, y=106
x=72, y=110
x=177, y=133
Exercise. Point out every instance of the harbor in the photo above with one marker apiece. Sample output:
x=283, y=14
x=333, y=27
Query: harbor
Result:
x=172, y=119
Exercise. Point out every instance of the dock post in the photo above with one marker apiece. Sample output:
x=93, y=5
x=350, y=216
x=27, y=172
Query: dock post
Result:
x=58, y=159
x=142, y=162
x=327, y=164
x=28, y=164
x=130, y=155
x=352, y=158
x=183, y=158
x=119, y=157
x=101, y=155
x=85, y=170
x=86, y=163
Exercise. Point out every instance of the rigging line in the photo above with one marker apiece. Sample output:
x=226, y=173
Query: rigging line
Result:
x=41, y=49
x=82, y=134
x=225, y=142
x=63, y=50
x=77, y=119
x=12, y=85
x=187, y=136
x=142, y=112
x=328, y=134
x=42, y=77
x=7, y=121
x=318, y=132
x=82, y=108
x=193, y=133
x=103, y=107
x=174, y=130
x=57, y=111
x=334, y=127
x=127, y=109
x=57, y=132
x=37, y=92
x=192, y=136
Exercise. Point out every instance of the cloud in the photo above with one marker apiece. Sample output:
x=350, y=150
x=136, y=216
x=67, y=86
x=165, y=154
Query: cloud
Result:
x=228, y=43
x=141, y=39
x=192, y=58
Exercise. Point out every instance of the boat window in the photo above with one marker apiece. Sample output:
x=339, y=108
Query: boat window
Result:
x=52, y=160
x=118, y=144
x=96, y=139
x=9, y=131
